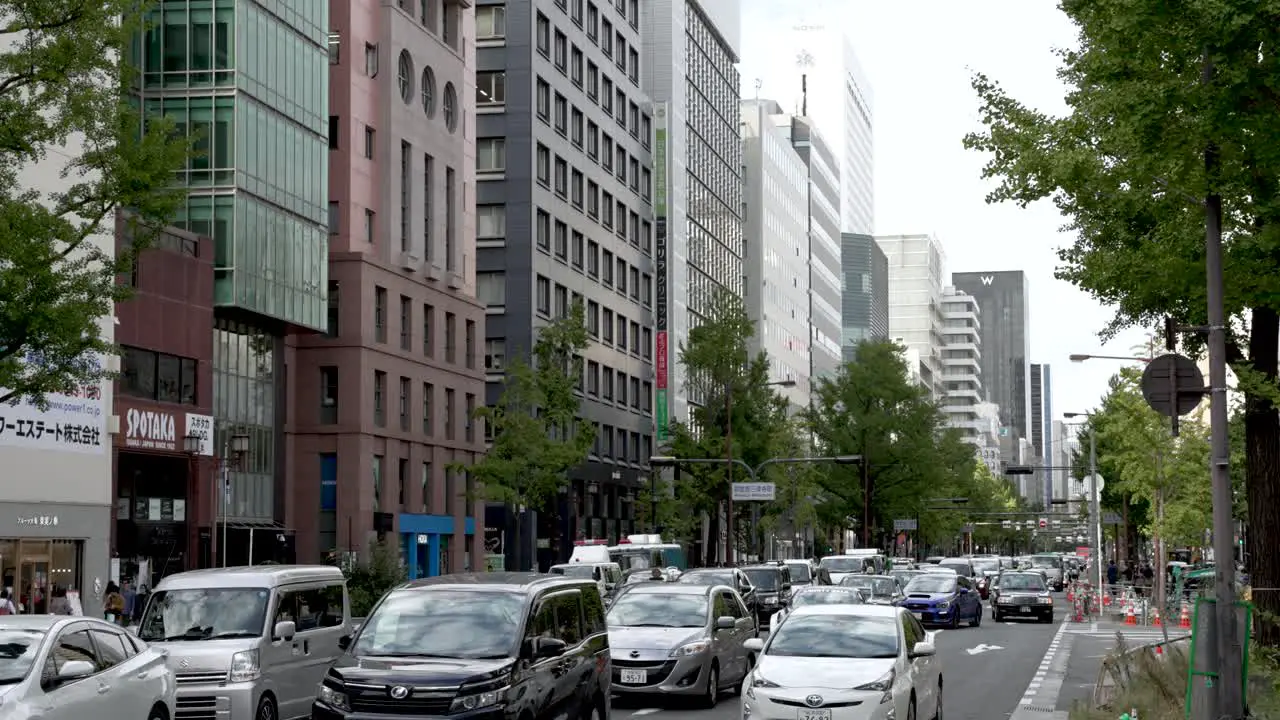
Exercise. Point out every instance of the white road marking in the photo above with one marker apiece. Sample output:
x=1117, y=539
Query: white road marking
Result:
x=978, y=650
x=647, y=711
x=1043, y=690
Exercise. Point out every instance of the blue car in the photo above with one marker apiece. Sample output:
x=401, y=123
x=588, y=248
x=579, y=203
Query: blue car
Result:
x=943, y=599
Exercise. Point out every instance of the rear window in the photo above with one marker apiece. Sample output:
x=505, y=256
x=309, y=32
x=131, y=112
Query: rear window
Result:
x=800, y=572
x=1043, y=561
x=764, y=578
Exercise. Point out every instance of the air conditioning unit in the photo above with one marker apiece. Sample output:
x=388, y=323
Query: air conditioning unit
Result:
x=409, y=260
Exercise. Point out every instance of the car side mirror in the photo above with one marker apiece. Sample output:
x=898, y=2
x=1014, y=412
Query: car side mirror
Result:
x=786, y=587
x=725, y=622
x=753, y=645
x=923, y=649
x=285, y=630
x=344, y=642
x=548, y=648
x=74, y=670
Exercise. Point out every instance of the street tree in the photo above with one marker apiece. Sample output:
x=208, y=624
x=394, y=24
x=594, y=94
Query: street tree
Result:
x=538, y=437
x=737, y=413
x=64, y=105
x=1126, y=168
x=990, y=493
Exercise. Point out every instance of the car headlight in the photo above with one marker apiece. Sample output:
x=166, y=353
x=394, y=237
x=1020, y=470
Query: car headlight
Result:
x=488, y=698
x=334, y=698
x=245, y=666
x=882, y=685
x=760, y=681
x=692, y=648
x=944, y=605
x=1046, y=600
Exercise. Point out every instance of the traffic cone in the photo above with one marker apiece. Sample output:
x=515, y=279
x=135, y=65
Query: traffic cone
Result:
x=1130, y=617
x=1184, y=621
x=1156, y=619
x=1071, y=592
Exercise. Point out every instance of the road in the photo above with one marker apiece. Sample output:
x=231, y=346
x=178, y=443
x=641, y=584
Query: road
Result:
x=1014, y=670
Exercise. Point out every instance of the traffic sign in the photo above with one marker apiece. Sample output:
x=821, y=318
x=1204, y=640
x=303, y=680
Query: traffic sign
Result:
x=1110, y=518
x=1043, y=523
x=1170, y=374
x=754, y=492
x=905, y=524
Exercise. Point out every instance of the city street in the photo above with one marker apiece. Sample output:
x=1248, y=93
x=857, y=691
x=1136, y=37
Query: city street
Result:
x=1014, y=670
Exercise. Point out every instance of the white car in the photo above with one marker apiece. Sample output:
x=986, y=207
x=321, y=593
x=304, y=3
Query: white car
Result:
x=845, y=662
x=61, y=667
x=819, y=595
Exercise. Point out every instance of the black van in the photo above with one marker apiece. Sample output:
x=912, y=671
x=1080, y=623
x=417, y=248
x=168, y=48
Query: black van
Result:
x=491, y=645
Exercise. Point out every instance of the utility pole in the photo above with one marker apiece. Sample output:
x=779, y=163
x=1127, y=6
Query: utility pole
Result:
x=728, y=457
x=1095, y=513
x=1229, y=688
x=865, y=470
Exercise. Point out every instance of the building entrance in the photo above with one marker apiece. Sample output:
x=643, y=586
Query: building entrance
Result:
x=35, y=572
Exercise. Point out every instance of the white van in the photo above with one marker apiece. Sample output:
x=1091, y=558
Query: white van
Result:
x=248, y=642
x=606, y=574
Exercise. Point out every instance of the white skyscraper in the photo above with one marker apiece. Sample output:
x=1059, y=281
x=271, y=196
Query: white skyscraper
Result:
x=798, y=54
x=915, y=302
x=961, y=364
x=777, y=256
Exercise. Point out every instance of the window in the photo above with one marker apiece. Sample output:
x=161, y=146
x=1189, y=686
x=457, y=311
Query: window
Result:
x=406, y=187
x=450, y=218
x=469, y=350
x=333, y=131
x=379, y=398
x=622, y=332
x=543, y=159
x=332, y=323
x=578, y=249
x=646, y=398
x=371, y=60
x=448, y=413
x=495, y=355
x=576, y=123
x=562, y=240
x=646, y=344
x=575, y=189
x=406, y=317
x=633, y=66
x=491, y=22
x=335, y=218
x=606, y=38
x=491, y=87
x=426, y=487
x=428, y=337
x=543, y=298
x=622, y=276
x=380, y=314
x=491, y=288
x=606, y=95
x=370, y=225
x=593, y=21
x=328, y=395
x=428, y=203
x=562, y=177
x=593, y=258
x=593, y=378
x=405, y=76
x=593, y=141
x=449, y=107
x=491, y=222
x=575, y=65
x=593, y=81
x=544, y=100
x=606, y=218
x=620, y=51
x=370, y=142
x=633, y=173
x=606, y=154
x=593, y=318
x=335, y=48
x=428, y=398
x=402, y=479
x=646, y=184
x=622, y=377
x=491, y=155
x=404, y=412
x=543, y=29
x=607, y=327
x=562, y=114
x=646, y=130
x=469, y=426
x=562, y=301
x=635, y=338
x=560, y=56
x=542, y=228
x=593, y=199
x=377, y=482
x=450, y=339
x=635, y=283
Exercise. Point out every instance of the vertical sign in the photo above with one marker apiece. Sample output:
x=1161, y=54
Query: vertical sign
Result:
x=661, y=415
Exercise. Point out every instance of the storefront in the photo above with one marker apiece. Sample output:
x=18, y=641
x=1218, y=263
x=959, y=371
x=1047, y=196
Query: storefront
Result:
x=48, y=550
x=425, y=544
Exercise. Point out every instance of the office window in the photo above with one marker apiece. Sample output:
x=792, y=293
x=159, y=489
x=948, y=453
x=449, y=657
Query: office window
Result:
x=402, y=480
x=491, y=88
x=380, y=314
x=428, y=400
x=621, y=389
x=606, y=326
x=406, y=186
x=575, y=189
x=378, y=461
x=646, y=343
x=370, y=59
x=542, y=229
x=370, y=142
x=635, y=283
x=335, y=48
x=404, y=404
x=491, y=288
x=469, y=352
x=544, y=100
x=370, y=225
x=562, y=177
x=335, y=217
x=633, y=66
x=495, y=355
x=406, y=317
x=379, y=398
x=593, y=199
x=449, y=410
x=491, y=155
x=575, y=65
x=576, y=124
x=562, y=301
x=328, y=395
x=608, y=269
x=426, y=487
x=491, y=222
x=593, y=258
x=428, y=335
x=491, y=22
x=450, y=218
x=633, y=173
x=606, y=152
x=606, y=389
x=560, y=55
x=622, y=332
x=543, y=157
x=646, y=130
x=593, y=140
x=606, y=38
x=333, y=132
x=543, y=34
x=593, y=318
x=578, y=249
x=469, y=427
x=561, y=115
x=646, y=398
x=593, y=21
x=562, y=240
x=428, y=204
x=333, y=318
x=622, y=276
x=543, y=295
x=450, y=338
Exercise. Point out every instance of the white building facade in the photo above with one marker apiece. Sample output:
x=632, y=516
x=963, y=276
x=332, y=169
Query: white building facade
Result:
x=798, y=53
x=777, y=257
x=916, y=269
x=961, y=364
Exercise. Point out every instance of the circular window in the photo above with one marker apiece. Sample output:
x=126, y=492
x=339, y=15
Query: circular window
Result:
x=450, y=108
x=428, y=92
x=405, y=76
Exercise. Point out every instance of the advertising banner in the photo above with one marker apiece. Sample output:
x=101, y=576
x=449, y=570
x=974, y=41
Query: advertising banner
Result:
x=661, y=272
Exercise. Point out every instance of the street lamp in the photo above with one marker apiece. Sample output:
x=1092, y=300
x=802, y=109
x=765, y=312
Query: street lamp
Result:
x=728, y=456
x=234, y=449
x=1077, y=358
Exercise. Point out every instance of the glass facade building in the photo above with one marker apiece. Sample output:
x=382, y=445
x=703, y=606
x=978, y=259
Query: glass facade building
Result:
x=1004, y=305
x=864, y=292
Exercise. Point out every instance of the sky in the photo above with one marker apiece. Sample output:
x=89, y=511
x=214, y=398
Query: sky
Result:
x=919, y=56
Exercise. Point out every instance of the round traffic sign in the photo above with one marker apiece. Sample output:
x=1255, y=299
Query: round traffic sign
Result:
x=1170, y=375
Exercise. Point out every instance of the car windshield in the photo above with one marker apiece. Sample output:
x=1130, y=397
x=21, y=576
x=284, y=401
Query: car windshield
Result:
x=575, y=571
x=1041, y=561
x=640, y=577
x=957, y=565
x=443, y=623
x=841, y=564
x=904, y=576
x=658, y=609
x=836, y=636
x=764, y=578
x=708, y=578
x=875, y=586
x=827, y=596
x=800, y=572
x=1022, y=582
x=931, y=584
x=204, y=614
x=18, y=649
x=986, y=565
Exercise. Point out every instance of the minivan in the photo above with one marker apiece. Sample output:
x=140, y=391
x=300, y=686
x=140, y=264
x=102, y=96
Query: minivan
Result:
x=248, y=642
x=486, y=645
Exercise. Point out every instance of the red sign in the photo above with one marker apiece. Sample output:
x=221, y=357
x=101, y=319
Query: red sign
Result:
x=661, y=361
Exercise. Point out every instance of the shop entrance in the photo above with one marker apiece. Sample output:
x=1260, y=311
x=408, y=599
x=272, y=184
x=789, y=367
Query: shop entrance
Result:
x=35, y=572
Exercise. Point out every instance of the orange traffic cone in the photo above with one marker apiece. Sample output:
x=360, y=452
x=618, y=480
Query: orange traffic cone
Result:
x=1130, y=617
x=1071, y=592
x=1184, y=621
x=1156, y=619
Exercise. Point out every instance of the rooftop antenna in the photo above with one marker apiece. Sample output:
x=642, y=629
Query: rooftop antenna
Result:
x=759, y=84
x=804, y=95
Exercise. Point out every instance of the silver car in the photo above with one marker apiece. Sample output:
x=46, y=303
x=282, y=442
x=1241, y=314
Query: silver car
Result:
x=674, y=639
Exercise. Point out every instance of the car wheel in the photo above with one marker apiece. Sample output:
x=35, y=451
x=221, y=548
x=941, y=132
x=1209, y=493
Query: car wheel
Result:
x=955, y=620
x=712, y=696
x=158, y=713
x=1049, y=618
x=995, y=615
x=911, y=709
x=266, y=709
x=937, y=714
x=977, y=618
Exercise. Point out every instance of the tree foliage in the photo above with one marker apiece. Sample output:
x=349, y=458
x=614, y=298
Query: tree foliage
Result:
x=1126, y=167
x=537, y=436
x=369, y=578
x=64, y=105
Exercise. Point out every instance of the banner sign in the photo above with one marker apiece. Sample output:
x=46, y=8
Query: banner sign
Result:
x=662, y=409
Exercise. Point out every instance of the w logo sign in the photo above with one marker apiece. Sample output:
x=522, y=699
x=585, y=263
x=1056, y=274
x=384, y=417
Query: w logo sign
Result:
x=988, y=279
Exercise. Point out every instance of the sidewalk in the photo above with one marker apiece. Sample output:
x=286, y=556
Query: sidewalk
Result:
x=1089, y=643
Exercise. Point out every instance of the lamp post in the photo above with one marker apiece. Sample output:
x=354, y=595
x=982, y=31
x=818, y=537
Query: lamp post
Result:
x=1095, y=520
x=1081, y=357
x=752, y=472
x=234, y=448
x=728, y=457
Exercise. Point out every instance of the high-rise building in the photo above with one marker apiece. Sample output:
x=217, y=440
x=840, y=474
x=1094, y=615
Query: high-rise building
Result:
x=824, y=243
x=688, y=68
x=249, y=80
x=777, y=233
x=916, y=269
x=1042, y=422
x=799, y=54
x=565, y=211
x=1004, y=300
x=384, y=400
x=961, y=368
x=864, y=292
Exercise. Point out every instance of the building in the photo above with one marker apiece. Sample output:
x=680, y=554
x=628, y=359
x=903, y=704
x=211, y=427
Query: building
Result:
x=383, y=399
x=799, y=54
x=1042, y=422
x=777, y=241
x=824, y=244
x=864, y=292
x=1037, y=410
x=565, y=199
x=1065, y=448
x=989, y=432
x=688, y=62
x=260, y=190
x=915, y=302
x=1004, y=301
x=166, y=504
x=961, y=365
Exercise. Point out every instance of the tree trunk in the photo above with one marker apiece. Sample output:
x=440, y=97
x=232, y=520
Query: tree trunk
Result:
x=1124, y=536
x=1262, y=458
x=713, y=537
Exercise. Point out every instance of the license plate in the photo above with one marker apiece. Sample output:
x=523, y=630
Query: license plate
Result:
x=635, y=677
x=919, y=616
x=1025, y=609
x=812, y=714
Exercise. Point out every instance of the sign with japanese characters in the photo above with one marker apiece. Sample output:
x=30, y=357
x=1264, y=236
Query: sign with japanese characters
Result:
x=150, y=430
x=73, y=422
x=201, y=426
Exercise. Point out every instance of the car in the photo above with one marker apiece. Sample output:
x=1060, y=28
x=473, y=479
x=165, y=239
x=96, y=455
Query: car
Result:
x=1051, y=565
x=985, y=568
x=934, y=559
x=841, y=565
x=803, y=572
x=680, y=640
x=961, y=566
x=943, y=599
x=64, y=667
x=1022, y=594
x=819, y=595
x=879, y=589
x=773, y=588
x=733, y=577
x=500, y=644
x=904, y=576
x=845, y=661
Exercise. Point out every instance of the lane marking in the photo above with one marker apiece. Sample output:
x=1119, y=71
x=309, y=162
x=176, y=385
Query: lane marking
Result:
x=647, y=711
x=1036, y=698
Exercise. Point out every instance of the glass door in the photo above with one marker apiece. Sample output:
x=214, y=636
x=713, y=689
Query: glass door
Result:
x=33, y=576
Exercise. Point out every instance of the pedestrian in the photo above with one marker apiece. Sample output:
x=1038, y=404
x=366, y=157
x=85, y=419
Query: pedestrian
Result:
x=6, y=603
x=59, y=605
x=113, y=604
x=1113, y=573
